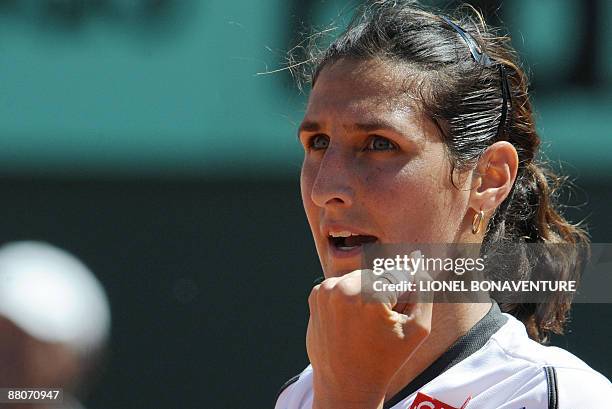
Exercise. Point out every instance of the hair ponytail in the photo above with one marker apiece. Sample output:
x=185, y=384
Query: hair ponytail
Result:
x=530, y=215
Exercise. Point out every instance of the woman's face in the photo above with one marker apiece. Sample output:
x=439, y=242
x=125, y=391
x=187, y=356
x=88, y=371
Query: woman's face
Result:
x=374, y=167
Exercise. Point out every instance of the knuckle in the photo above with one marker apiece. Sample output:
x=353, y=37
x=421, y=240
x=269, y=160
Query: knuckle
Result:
x=328, y=284
x=344, y=287
x=312, y=297
x=327, y=290
x=348, y=291
x=352, y=292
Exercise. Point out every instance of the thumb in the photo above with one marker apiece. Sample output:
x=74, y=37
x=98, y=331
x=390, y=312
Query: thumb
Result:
x=415, y=324
x=415, y=310
x=406, y=300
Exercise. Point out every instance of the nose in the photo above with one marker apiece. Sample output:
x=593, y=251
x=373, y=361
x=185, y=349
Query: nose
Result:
x=334, y=184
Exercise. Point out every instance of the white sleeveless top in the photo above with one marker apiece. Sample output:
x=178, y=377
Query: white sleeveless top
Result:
x=498, y=366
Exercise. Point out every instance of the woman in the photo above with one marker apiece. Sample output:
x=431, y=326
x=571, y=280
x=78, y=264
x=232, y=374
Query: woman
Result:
x=419, y=129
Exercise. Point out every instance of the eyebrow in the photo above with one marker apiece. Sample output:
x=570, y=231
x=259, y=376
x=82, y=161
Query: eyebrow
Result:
x=377, y=125
x=308, y=126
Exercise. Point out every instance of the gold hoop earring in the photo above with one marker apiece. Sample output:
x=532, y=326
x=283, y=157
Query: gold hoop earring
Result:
x=477, y=222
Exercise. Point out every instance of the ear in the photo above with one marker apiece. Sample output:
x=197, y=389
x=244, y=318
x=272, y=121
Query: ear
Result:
x=493, y=177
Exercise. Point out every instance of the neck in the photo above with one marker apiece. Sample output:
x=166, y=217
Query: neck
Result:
x=449, y=323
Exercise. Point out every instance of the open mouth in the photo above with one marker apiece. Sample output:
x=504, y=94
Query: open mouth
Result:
x=347, y=241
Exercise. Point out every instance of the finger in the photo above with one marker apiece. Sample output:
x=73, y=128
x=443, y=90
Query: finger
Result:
x=416, y=326
x=420, y=315
x=312, y=298
x=419, y=277
x=328, y=285
x=399, y=290
x=416, y=307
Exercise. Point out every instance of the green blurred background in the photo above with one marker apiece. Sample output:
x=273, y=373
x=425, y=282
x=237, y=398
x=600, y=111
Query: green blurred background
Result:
x=143, y=137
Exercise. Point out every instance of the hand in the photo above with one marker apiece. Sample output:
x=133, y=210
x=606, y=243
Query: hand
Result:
x=356, y=344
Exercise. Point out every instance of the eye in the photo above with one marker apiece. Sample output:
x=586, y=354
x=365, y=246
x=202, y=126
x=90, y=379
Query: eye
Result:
x=378, y=143
x=318, y=142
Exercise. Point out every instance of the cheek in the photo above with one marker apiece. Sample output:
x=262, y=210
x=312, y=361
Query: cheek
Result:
x=412, y=205
x=307, y=177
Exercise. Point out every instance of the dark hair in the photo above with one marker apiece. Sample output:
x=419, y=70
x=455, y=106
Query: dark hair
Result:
x=466, y=99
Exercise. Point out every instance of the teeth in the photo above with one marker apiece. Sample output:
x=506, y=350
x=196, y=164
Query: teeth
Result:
x=342, y=234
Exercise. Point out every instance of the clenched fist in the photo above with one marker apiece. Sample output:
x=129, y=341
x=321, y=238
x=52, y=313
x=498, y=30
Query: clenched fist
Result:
x=356, y=344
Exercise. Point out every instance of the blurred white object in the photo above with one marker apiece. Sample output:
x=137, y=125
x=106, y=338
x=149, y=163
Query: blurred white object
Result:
x=52, y=296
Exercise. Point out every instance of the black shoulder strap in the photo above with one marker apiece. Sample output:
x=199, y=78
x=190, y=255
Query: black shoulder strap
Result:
x=551, y=382
x=286, y=385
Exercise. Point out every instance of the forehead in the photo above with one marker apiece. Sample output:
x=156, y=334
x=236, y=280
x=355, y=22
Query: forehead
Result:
x=365, y=88
x=351, y=91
